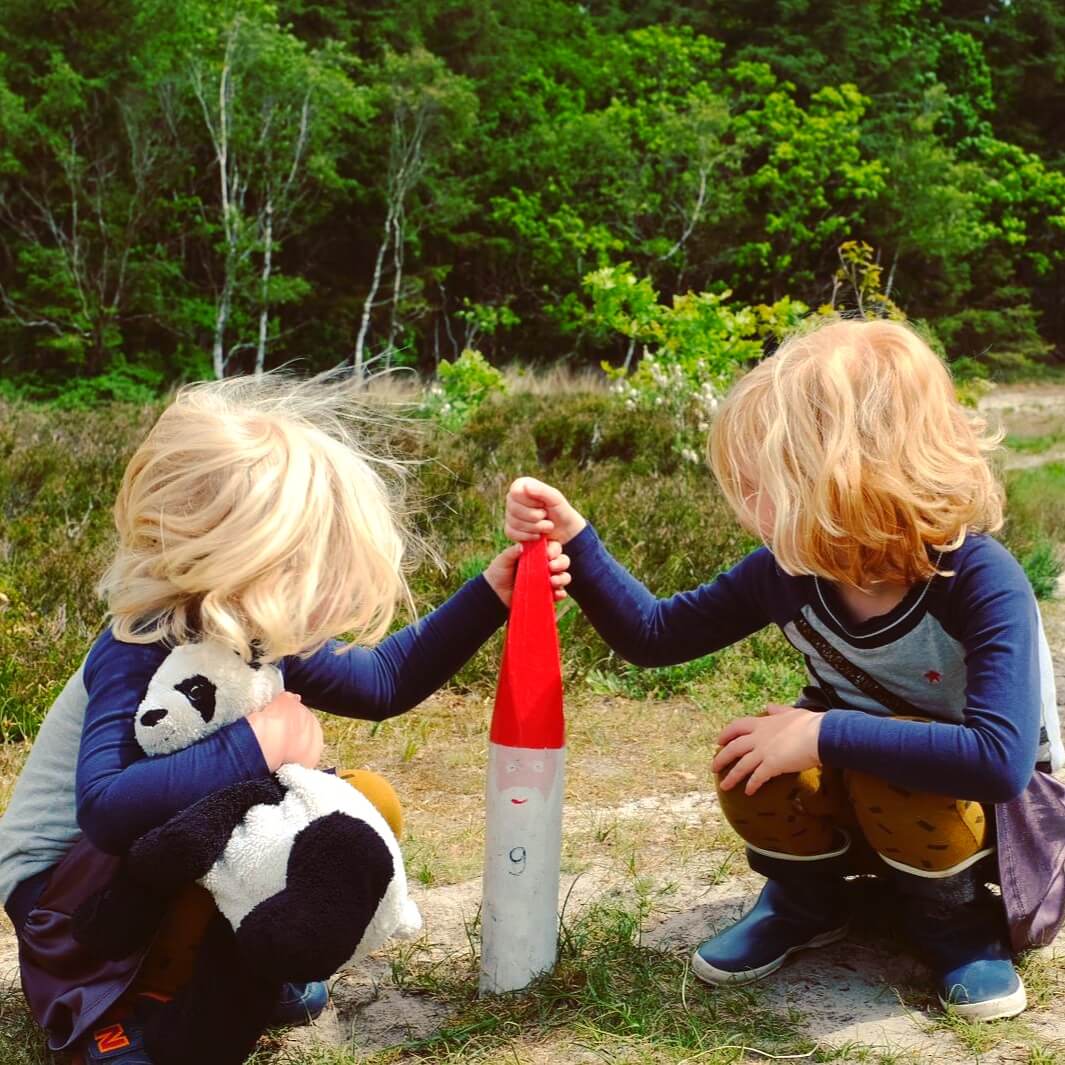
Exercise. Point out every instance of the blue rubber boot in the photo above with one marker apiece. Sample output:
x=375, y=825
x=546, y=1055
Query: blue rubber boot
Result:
x=299, y=1003
x=959, y=929
x=802, y=905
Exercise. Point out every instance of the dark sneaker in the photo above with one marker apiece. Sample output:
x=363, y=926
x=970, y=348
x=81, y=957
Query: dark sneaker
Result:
x=299, y=1003
x=959, y=929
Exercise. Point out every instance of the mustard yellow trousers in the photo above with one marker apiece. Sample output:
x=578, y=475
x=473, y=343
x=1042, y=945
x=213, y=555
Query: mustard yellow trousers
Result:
x=804, y=814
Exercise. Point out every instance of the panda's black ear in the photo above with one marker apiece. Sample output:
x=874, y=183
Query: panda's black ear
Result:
x=200, y=692
x=255, y=655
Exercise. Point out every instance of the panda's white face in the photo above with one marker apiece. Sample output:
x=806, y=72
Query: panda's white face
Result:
x=199, y=688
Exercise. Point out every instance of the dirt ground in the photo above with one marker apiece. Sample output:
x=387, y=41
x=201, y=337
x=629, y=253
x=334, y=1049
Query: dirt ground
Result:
x=667, y=841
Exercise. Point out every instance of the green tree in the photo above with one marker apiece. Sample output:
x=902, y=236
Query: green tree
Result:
x=270, y=108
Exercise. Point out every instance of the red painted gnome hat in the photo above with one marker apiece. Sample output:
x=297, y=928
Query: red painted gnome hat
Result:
x=528, y=710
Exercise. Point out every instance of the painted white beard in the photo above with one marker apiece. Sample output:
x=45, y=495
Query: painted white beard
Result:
x=523, y=848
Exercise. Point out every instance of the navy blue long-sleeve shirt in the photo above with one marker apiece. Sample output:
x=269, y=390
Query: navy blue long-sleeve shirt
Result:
x=121, y=793
x=963, y=650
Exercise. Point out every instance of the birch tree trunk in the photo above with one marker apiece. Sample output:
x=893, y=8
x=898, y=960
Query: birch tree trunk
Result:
x=367, y=307
x=264, y=302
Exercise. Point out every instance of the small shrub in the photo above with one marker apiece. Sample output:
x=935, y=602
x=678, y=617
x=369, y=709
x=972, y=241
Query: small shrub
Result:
x=693, y=348
x=461, y=387
x=1043, y=567
x=633, y=682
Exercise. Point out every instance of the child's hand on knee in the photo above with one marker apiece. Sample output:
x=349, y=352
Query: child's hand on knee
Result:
x=784, y=740
x=287, y=732
x=502, y=569
x=535, y=509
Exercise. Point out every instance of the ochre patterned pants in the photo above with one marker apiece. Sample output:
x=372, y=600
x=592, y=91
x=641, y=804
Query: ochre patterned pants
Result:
x=799, y=814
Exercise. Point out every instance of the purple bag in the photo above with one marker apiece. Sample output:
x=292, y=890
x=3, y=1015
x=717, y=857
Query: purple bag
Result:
x=1031, y=861
x=69, y=988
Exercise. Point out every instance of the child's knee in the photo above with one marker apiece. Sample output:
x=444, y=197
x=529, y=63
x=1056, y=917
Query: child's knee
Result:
x=919, y=830
x=380, y=793
x=778, y=818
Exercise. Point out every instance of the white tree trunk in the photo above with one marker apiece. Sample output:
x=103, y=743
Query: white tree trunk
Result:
x=364, y=326
x=218, y=353
x=397, y=276
x=264, y=305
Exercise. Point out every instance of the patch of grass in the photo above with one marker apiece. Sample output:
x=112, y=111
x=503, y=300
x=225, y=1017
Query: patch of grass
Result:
x=1044, y=980
x=1044, y=566
x=1035, y=523
x=1044, y=1055
x=634, y=682
x=978, y=1037
x=1034, y=445
x=1035, y=507
x=867, y=1055
x=21, y=1041
x=607, y=992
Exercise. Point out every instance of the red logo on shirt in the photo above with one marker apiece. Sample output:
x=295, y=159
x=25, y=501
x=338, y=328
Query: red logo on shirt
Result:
x=113, y=1037
x=933, y=677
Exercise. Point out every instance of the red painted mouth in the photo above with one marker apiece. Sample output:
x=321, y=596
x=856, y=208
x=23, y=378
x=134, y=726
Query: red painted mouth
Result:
x=518, y=802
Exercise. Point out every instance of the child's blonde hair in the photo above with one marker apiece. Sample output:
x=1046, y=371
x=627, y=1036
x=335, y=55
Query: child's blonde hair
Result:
x=252, y=514
x=853, y=434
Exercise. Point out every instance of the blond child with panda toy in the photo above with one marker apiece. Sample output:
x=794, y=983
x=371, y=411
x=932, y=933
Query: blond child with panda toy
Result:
x=251, y=516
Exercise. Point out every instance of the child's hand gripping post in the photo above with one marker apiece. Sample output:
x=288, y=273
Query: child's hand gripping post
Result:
x=535, y=509
x=501, y=571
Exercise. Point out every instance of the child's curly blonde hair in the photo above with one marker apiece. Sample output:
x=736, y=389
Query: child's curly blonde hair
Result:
x=851, y=439
x=252, y=514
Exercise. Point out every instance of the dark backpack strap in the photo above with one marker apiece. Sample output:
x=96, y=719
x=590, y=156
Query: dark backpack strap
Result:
x=858, y=677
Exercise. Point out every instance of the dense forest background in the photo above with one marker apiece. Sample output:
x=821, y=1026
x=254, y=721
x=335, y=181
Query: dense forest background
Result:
x=196, y=187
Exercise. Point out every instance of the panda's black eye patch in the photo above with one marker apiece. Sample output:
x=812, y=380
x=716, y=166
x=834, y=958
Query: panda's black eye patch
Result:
x=200, y=692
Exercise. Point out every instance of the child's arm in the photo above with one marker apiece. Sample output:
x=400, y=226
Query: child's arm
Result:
x=391, y=678
x=988, y=758
x=121, y=793
x=641, y=628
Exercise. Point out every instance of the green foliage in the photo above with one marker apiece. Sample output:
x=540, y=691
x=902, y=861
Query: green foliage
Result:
x=59, y=474
x=693, y=348
x=811, y=189
x=1035, y=523
x=408, y=182
x=1044, y=566
x=633, y=682
x=662, y=517
x=461, y=387
x=858, y=286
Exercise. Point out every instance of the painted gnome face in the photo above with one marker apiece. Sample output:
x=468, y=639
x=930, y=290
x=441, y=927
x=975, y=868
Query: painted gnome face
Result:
x=199, y=688
x=526, y=822
x=526, y=768
x=525, y=776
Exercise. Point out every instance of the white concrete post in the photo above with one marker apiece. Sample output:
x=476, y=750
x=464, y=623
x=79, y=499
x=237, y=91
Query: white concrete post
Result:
x=526, y=778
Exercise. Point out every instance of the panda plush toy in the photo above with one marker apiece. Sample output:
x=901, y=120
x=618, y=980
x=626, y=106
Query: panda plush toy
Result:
x=302, y=866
